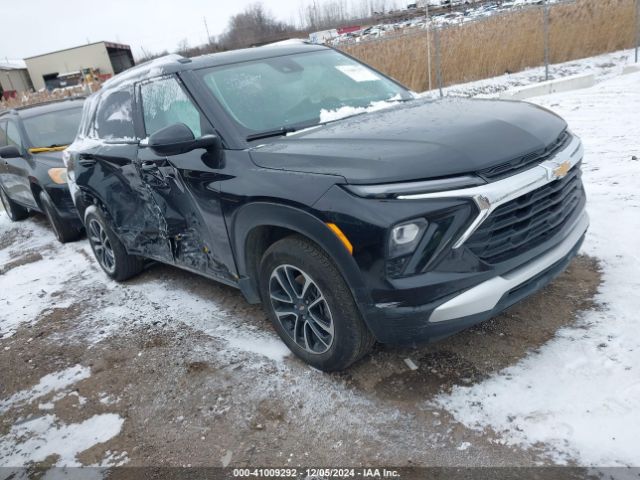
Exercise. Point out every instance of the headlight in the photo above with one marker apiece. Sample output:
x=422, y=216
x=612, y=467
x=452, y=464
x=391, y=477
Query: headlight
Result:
x=399, y=190
x=404, y=238
x=414, y=245
x=58, y=175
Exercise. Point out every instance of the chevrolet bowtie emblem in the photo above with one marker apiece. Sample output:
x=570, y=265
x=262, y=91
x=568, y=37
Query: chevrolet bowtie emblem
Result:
x=561, y=170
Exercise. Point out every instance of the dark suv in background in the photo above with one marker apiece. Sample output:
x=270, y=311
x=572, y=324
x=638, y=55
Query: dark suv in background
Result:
x=267, y=170
x=32, y=173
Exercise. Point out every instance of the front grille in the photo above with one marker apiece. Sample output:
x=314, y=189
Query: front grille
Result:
x=528, y=221
x=525, y=162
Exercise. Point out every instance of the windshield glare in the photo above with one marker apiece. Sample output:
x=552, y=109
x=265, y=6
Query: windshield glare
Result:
x=54, y=128
x=296, y=90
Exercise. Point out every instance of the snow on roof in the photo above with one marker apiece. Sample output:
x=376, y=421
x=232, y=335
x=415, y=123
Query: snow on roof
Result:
x=151, y=68
x=289, y=41
x=12, y=64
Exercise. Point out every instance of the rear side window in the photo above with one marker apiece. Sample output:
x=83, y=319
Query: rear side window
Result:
x=165, y=103
x=114, y=116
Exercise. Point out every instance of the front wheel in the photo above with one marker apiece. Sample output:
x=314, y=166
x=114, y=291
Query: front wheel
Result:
x=14, y=211
x=311, y=306
x=108, y=249
x=64, y=230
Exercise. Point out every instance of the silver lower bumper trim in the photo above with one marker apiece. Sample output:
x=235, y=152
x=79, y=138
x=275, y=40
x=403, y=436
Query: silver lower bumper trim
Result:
x=484, y=297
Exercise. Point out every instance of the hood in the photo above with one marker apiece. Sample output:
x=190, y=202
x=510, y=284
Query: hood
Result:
x=49, y=159
x=418, y=140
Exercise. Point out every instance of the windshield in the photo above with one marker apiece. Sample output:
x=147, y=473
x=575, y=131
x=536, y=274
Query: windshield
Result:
x=57, y=128
x=298, y=90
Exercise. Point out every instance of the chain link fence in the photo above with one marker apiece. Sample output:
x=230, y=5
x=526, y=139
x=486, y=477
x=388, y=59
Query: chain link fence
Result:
x=439, y=56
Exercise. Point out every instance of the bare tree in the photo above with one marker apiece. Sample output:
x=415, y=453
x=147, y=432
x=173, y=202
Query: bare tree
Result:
x=318, y=14
x=183, y=47
x=252, y=26
x=325, y=14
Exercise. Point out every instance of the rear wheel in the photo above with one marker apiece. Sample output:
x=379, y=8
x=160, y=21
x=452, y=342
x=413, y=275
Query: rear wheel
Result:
x=65, y=231
x=107, y=248
x=311, y=306
x=14, y=211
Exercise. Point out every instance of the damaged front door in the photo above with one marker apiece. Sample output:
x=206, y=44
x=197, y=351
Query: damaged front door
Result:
x=164, y=103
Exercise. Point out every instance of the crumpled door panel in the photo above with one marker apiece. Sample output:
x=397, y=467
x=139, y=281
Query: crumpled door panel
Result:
x=180, y=219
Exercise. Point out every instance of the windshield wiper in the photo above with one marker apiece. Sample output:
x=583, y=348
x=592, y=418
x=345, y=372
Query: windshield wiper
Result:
x=271, y=133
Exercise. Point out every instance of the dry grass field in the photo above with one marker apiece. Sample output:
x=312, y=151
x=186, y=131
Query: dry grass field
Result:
x=504, y=43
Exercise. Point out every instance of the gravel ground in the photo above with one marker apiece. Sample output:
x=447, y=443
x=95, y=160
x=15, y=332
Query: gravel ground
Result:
x=172, y=369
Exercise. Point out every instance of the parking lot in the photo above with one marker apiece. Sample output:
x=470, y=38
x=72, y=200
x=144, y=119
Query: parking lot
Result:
x=171, y=369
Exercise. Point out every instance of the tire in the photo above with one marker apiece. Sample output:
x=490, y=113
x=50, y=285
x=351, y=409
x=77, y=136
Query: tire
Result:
x=65, y=230
x=319, y=321
x=108, y=249
x=14, y=211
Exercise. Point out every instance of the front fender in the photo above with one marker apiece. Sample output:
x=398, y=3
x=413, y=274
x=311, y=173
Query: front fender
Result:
x=267, y=214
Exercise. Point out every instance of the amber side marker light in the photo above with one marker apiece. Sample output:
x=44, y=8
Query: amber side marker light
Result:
x=341, y=236
x=58, y=175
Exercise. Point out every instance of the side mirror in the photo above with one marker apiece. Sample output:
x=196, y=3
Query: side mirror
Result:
x=10, y=152
x=178, y=138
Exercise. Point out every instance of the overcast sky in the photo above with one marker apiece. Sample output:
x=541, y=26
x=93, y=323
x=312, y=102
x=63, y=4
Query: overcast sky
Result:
x=32, y=27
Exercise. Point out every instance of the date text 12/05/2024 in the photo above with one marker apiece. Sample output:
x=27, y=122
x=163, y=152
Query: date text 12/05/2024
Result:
x=315, y=473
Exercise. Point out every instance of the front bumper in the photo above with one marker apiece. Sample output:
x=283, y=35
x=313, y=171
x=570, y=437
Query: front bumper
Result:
x=430, y=322
x=486, y=296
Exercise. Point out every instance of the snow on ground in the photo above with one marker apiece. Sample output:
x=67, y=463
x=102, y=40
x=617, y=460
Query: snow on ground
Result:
x=68, y=274
x=27, y=290
x=580, y=395
x=38, y=437
x=41, y=437
x=160, y=299
x=48, y=384
x=608, y=65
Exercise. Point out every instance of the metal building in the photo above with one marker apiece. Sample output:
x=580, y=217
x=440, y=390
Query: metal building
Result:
x=14, y=78
x=68, y=67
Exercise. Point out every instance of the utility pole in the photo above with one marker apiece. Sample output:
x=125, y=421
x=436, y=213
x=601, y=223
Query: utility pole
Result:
x=546, y=39
x=426, y=25
x=206, y=27
x=637, y=28
x=438, y=64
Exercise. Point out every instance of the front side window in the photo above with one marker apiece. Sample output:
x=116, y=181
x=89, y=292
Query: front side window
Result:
x=114, y=116
x=53, y=129
x=295, y=90
x=165, y=103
